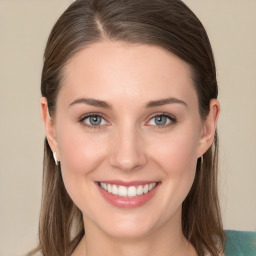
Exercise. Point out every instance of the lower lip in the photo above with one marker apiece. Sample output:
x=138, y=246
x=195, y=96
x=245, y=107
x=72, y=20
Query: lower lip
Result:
x=133, y=202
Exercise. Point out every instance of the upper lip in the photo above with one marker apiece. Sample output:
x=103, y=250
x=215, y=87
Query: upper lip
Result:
x=128, y=183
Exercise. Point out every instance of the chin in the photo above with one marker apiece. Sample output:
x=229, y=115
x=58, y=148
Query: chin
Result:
x=137, y=224
x=129, y=230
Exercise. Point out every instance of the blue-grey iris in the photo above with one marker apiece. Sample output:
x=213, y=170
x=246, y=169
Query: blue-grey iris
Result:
x=161, y=120
x=95, y=120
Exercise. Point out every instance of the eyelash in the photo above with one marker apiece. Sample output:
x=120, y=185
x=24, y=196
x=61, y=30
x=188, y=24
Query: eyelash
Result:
x=172, y=119
x=91, y=115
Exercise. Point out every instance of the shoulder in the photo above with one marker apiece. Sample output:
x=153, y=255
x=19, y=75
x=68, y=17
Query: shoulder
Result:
x=240, y=243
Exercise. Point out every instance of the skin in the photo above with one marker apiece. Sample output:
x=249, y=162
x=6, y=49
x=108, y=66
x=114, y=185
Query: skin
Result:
x=129, y=145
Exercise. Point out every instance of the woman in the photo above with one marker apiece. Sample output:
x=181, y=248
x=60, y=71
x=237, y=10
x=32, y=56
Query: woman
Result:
x=129, y=105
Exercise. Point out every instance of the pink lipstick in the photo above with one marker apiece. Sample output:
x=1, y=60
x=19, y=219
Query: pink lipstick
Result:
x=128, y=194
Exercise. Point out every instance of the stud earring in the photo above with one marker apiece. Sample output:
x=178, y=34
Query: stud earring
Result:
x=55, y=158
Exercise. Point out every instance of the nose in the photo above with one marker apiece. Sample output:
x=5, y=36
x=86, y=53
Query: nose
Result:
x=128, y=150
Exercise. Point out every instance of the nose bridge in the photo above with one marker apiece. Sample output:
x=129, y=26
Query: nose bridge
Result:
x=128, y=152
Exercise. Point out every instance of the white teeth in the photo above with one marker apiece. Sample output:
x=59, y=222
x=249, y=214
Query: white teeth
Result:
x=104, y=185
x=145, y=189
x=131, y=191
x=114, y=190
x=109, y=188
x=140, y=190
x=122, y=191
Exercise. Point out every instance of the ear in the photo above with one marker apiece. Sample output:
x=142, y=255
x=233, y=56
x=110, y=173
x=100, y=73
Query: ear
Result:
x=209, y=128
x=49, y=126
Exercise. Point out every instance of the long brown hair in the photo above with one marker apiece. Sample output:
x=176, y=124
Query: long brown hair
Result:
x=168, y=24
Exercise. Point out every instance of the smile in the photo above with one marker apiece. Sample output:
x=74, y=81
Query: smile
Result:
x=127, y=192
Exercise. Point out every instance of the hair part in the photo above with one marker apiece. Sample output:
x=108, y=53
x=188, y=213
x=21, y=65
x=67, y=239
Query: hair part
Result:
x=168, y=24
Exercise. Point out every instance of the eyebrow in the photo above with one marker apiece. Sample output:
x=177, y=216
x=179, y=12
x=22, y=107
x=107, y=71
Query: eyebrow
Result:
x=151, y=104
x=161, y=102
x=92, y=102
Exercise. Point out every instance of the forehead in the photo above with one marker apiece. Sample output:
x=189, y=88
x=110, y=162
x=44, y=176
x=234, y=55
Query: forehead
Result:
x=119, y=70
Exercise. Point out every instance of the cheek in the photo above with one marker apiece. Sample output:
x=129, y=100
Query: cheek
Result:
x=176, y=155
x=80, y=153
x=177, y=152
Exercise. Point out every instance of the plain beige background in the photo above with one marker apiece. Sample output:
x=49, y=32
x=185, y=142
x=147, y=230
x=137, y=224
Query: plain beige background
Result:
x=24, y=27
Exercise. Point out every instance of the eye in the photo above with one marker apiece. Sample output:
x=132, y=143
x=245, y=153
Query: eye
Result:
x=93, y=120
x=162, y=120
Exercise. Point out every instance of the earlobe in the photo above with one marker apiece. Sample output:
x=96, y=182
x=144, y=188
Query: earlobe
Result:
x=48, y=126
x=209, y=127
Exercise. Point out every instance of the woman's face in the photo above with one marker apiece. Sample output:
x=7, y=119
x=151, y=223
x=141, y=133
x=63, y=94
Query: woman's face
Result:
x=127, y=119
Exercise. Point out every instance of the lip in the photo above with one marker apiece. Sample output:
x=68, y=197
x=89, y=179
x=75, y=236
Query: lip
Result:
x=133, y=202
x=128, y=183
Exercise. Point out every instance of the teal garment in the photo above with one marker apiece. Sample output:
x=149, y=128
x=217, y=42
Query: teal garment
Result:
x=240, y=243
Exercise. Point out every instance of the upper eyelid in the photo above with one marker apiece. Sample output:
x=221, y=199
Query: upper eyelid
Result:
x=82, y=117
x=162, y=114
